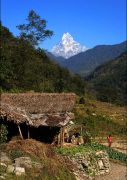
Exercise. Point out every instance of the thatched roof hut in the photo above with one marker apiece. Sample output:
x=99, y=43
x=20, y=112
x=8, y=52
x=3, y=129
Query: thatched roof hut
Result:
x=38, y=109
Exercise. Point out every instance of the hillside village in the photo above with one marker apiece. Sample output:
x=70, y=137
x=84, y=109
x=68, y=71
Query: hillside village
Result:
x=38, y=124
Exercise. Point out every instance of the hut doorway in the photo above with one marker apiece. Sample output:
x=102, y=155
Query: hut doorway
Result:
x=44, y=134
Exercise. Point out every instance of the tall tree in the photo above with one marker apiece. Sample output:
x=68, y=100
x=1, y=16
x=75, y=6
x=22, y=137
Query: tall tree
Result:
x=35, y=30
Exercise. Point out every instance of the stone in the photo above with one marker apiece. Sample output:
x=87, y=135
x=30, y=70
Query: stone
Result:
x=19, y=171
x=101, y=165
x=3, y=164
x=10, y=169
x=85, y=162
x=4, y=158
x=23, y=162
x=107, y=170
x=2, y=177
x=37, y=165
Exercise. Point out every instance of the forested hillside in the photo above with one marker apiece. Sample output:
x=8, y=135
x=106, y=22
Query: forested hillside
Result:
x=25, y=68
x=109, y=81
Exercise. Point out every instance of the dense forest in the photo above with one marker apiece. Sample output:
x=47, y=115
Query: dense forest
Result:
x=25, y=67
x=108, y=82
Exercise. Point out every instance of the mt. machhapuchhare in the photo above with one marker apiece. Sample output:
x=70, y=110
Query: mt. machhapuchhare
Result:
x=67, y=47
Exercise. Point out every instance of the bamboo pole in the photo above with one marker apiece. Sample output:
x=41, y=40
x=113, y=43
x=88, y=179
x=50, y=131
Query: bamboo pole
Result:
x=20, y=132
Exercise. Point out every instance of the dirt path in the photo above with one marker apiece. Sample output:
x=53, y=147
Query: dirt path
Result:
x=118, y=172
x=119, y=146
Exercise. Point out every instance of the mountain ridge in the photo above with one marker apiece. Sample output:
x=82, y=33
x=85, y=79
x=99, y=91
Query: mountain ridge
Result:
x=85, y=62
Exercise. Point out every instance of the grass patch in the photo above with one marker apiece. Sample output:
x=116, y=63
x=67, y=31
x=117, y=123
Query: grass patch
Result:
x=98, y=125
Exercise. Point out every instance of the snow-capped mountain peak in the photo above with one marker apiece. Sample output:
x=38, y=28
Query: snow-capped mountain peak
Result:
x=67, y=37
x=67, y=47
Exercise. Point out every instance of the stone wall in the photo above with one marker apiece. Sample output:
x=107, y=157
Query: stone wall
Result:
x=91, y=163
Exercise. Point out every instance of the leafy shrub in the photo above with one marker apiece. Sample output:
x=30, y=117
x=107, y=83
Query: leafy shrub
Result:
x=82, y=100
x=3, y=133
x=15, y=154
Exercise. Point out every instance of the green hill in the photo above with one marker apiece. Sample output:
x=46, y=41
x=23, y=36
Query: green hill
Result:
x=25, y=68
x=109, y=81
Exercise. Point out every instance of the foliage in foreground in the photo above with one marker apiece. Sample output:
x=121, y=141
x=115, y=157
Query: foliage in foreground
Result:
x=3, y=133
x=113, y=154
x=52, y=167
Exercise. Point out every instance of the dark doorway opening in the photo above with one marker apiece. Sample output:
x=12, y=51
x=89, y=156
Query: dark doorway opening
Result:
x=44, y=133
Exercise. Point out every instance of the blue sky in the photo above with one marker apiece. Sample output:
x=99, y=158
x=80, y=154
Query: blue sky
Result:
x=90, y=22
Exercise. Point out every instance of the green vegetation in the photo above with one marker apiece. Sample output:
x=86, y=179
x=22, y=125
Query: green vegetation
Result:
x=113, y=154
x=73, y=150
x=25, y=68
x=35, y=30
x=13, y=154
x=108, y=82
x=99, y=119
x=3, y=133
x=100, y=125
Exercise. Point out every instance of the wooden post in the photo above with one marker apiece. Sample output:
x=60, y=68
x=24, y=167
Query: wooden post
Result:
x=20, y=132
x=81, y=130
x=63, y=130
x=61, y=137
x=28, y=133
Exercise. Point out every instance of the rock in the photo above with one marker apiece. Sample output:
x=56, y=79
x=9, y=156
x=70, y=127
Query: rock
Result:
x=2, y=177
x=19, y=171
x=23, y=162
x=4, y=158
x=107, y=170
x=85, y=162
x=3, y=168
x=37, y=165
x=3, y=164
x=10, y=169
x=101, y=165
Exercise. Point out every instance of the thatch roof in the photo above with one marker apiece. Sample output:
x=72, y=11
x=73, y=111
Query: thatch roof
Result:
x=46, y=109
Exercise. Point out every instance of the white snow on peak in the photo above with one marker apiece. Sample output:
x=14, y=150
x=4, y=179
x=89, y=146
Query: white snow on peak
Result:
x=67, y=47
